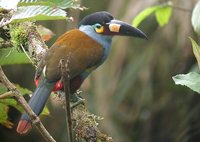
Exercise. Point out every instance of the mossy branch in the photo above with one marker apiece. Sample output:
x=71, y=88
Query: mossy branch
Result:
x=25, y=35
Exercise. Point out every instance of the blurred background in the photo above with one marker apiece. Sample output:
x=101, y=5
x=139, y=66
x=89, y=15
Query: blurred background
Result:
x=133, y=91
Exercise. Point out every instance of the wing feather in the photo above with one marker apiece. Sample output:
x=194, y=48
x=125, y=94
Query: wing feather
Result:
x=83, y=53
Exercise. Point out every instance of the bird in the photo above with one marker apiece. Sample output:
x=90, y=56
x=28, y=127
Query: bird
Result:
x=86, y=47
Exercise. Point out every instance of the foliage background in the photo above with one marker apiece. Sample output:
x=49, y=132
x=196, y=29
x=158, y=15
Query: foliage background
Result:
x=133, y=90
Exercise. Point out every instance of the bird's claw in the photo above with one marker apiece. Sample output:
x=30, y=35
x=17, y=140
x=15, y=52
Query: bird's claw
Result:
x=76, y=100
x=75, y=104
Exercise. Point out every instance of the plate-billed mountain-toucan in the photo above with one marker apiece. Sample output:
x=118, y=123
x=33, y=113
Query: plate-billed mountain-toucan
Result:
x=88, y=46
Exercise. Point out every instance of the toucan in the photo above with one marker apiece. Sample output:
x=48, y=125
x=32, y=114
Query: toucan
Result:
x=86, y=47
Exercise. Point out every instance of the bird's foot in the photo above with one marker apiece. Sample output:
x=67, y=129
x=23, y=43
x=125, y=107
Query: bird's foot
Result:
x=76, y=100
x=75, y=104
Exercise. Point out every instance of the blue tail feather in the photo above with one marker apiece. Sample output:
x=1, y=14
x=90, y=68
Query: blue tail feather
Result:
x=39, y=98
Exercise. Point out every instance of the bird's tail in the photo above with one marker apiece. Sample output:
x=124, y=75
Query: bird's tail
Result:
x=37, y=103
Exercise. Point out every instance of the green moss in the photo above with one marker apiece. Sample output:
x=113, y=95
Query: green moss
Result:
x=19, y=35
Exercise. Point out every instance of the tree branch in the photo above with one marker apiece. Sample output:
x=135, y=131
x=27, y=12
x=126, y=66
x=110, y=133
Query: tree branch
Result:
x=34, y=118
x=64, y=68
x=85, y=125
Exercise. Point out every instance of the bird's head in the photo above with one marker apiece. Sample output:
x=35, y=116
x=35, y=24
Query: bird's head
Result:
x=103, y=23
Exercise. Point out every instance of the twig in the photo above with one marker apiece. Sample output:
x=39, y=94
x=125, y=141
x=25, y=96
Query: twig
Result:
x=169, y=3
x=34, y=118
x=181, y=8
x=27, y=55
x=6, y=95
x=64, y=68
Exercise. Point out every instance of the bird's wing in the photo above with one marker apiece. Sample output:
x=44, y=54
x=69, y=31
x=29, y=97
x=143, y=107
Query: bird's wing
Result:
x=40, y=68
x=81, y=51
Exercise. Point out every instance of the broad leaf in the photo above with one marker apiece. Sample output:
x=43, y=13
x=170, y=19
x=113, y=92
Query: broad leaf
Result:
x=3, y=112
x=196, y=50
x=196, y=18
x=143, y=15
x=163, y=15
x=11, y=102
x=45, y=111
x=63, y=4
x=3, y=89
x=4, y=116
x=9, y=4
x=10, y=56
x=22, y=90
x=38, y=13
x=191, y=80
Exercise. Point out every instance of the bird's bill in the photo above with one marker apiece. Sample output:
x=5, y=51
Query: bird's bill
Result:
x=116, y=27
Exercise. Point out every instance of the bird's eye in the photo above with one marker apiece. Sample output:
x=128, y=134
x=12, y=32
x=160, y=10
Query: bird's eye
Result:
x=98, y=28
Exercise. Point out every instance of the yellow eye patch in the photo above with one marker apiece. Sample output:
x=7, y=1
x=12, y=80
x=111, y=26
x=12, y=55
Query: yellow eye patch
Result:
x=99, y=30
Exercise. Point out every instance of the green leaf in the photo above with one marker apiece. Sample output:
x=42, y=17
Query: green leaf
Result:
x=38, y=13
x=196, y=18
x=4, y=116
x=196, y=50
x=22, y=90
x=143, y=15
x=162, y=12
x=63, y=4
x=163, y=15
x=3, y=112
x=11, y=102
x=45, y=111
x=10, y=56
x=191, y=80
x=3, y=89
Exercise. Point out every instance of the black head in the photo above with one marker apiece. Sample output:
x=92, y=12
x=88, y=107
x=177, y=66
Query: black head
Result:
x=101, y=17
x=104, y=23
